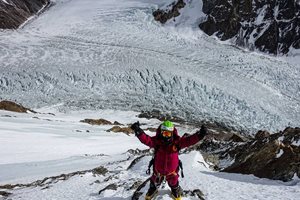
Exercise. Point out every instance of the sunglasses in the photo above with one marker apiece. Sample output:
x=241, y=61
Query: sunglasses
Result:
x=166, y=133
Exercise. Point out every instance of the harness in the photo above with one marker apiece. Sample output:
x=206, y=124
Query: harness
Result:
x=151, y=164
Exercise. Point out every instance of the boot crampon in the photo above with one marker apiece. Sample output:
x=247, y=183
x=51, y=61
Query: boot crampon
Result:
x=152, y=192
x=176, y=193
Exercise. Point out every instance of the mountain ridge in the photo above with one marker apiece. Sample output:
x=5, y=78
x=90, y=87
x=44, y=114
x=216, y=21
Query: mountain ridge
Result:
x=268, y=26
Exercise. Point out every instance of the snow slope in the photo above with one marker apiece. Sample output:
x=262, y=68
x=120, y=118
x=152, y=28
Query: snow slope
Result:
x=111, y=54
x=214, y=185
x=51, y=144
x=35, y=146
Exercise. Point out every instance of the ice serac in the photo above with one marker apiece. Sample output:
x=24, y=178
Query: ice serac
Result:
x=14, y=13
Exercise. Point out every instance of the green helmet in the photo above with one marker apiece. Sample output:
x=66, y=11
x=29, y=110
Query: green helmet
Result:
x=167, y=126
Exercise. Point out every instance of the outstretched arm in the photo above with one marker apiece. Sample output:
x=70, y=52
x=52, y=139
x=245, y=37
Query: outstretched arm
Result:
x=193, y=139
x=142, y=136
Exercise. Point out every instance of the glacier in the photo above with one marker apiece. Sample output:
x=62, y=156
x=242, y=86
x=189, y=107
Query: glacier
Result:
x=111, y=54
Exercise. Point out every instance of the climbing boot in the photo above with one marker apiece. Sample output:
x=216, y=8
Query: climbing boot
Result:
x=176, y=192
x=151, y=192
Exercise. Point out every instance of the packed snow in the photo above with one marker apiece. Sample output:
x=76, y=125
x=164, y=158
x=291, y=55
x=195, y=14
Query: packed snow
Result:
x=296, y=142
x=279, y=154
x=112, y=54
x=57, y=143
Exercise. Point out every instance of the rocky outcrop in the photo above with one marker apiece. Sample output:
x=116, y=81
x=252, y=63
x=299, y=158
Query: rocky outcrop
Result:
x=112, y=186
x=225, y=23
x=11, y=106
x=172, y=11
x=4, y=194
x=46, y=182
x=13, y=13
x=100, y=122
x=267, y=25
x=96, y=121
x=118, y=129
x=273, y=156
x=270, y=26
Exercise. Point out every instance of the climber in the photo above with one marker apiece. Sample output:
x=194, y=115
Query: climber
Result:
x=166, y=144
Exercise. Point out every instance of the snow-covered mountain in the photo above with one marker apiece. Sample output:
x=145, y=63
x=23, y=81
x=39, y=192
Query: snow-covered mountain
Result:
x=268, y=26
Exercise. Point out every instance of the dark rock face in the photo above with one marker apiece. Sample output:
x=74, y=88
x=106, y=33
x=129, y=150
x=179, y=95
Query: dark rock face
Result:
x=4, y=193
x=270, y=26
x=267, y=25
x=164, y=15
x=16, y=12
x=261, y=135
x=224, y=23
x=275, y=156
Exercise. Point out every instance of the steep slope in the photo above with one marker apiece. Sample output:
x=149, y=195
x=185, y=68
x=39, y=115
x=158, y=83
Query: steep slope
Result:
x=55, y=156
x=269, y=26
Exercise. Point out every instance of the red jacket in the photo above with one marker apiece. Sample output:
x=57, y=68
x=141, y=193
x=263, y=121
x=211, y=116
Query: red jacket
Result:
x=166, y=158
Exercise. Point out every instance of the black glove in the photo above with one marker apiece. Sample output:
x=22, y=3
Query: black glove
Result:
x=202, y=132
x=136, y=128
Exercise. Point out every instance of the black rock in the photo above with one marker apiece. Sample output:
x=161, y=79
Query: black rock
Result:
x=16, y=12
x=164, y=15
x=275, y=156
x=267, y=25
x=271, y=26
